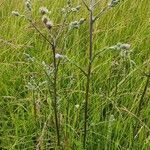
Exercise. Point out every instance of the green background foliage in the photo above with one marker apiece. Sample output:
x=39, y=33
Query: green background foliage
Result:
x=116, y=87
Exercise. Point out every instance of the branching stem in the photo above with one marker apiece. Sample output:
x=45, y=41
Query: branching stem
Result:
x=44, y=37
x=54, y=103
x=100, y=13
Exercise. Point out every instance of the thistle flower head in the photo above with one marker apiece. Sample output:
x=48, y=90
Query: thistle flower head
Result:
x=69, y=3
x=124, y=46
x=124, y=49
x=45, y=19
x=74, y=25
x=82, y=20
x=49, y=24
x=74, y=10
x=58, y=56
x=78, y=7
x=43, y=10
x=121, y=46
x=15, y=13
x=28, y=5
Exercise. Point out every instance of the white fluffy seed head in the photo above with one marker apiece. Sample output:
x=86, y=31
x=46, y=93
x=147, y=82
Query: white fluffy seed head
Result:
x=58, y=56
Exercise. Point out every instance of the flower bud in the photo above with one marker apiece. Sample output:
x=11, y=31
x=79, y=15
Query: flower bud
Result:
x=15, y=13
x=77, y=106
x=49, y=24
x=43, y=10
x=69, y=3
x=124, y=46
x=82, y=20
x=45, y=19
x=74, y=25
x=78, y=7
x=58, y=56
x=28, y=5
x=74, y=10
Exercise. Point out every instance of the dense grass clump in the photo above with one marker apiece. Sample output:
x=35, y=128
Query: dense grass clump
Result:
x=41, y=108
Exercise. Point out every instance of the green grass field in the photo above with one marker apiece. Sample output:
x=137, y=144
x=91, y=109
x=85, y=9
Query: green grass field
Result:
x=119, y=99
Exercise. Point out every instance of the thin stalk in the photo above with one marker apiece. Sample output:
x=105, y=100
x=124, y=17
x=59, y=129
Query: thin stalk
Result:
x=55, y=94
x=141, y=102
x=40, y=33
x=76, y=65
x=142, y=96
x=86, y=5
x=54, y=103
x=35, y=115
x=88, y=75
x=34, y=104
x=100, y=13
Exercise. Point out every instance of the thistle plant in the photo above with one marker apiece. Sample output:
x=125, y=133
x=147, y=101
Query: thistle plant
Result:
x=92, y=19
x=66, y=86
x=54, y=36
x=56, y=32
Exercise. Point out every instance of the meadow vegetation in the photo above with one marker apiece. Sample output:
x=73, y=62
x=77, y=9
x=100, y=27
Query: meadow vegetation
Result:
x=38, y=98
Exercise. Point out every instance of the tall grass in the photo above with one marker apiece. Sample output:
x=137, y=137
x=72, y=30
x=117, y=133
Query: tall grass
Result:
x=119, y=87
